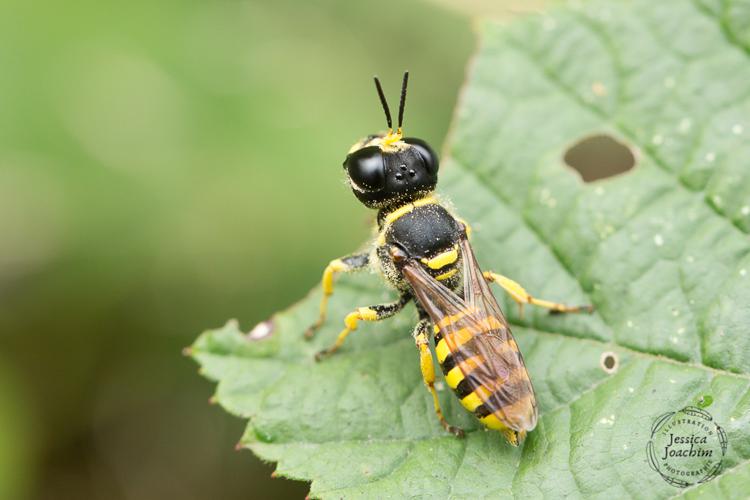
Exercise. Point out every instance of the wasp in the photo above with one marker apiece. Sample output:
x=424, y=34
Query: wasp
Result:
x=422, y=250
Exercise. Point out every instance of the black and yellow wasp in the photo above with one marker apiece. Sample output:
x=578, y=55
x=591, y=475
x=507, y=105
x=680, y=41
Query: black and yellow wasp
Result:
x=423, y=251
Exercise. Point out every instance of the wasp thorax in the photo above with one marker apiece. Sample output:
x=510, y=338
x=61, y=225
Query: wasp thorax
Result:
x=383, y=173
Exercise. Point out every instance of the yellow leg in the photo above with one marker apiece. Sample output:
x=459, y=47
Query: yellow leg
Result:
x=371, y=313
x=342, y=265
x=523, y=297
x=428, y=374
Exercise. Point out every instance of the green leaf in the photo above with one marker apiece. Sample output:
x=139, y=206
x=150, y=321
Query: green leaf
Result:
x=661, y=251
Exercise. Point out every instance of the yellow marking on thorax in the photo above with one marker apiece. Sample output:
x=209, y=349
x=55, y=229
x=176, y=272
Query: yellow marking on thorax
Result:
x=447, y=275
x=401, y=211
x=442, y=260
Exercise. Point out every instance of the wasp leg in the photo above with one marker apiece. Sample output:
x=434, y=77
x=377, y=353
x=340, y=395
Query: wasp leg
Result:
x=523, y=297
x=343, y=265
x=428, y=373
x=370, y=313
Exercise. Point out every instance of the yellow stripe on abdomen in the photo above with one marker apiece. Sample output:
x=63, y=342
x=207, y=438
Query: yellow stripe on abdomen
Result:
x=462, y=369
x=442, y=351
x=459, y=337
x=492, y=422
x=452, y=319
x=471, y=402
x=454, y=377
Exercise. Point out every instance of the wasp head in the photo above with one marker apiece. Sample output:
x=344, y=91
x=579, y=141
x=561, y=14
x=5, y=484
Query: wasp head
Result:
x=388, y=169
x=384, y=172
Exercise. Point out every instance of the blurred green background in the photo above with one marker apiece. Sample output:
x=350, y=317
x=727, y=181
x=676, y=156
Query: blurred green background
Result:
x=165, y=166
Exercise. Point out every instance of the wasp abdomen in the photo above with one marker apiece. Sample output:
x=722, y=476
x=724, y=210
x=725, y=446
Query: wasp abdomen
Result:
x=498, y=390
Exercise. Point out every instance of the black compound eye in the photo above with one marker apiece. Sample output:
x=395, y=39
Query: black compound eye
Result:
x=366, y=168
x=425, y=151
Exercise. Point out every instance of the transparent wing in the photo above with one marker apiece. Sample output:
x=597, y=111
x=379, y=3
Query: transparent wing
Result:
x=480, y=341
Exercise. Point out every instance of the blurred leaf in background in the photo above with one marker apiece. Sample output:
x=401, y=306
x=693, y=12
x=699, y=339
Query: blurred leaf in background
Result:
x=164, y=166
x=498, y=11
x=15, y=440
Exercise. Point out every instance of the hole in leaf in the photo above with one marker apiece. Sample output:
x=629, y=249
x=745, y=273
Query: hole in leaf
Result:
x=608, y=362
x=599, y=156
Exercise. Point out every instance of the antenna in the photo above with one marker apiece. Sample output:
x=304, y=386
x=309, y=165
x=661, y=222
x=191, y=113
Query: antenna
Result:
x=402, y=104
x=384, y=103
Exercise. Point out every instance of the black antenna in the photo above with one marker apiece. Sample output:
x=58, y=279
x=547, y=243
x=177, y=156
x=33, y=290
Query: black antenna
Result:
x=402, y=104
x=384, y=103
